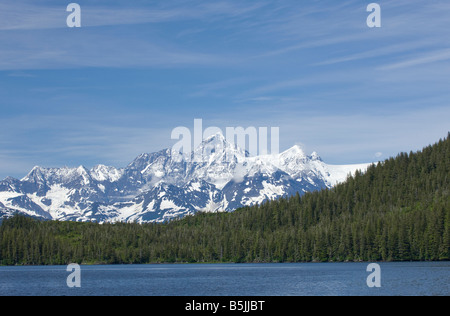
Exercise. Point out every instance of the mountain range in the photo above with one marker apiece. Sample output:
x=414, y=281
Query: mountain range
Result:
x=157, y=187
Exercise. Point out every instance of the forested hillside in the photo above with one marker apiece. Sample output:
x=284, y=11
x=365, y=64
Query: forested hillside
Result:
x=397, y=210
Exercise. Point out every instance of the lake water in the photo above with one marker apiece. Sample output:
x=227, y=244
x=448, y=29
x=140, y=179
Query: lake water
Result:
x=297, y=279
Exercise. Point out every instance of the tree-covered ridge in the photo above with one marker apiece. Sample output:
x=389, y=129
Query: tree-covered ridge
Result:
x=397, y=210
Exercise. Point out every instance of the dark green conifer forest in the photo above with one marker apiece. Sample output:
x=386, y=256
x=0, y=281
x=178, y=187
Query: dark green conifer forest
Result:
x=397, y=210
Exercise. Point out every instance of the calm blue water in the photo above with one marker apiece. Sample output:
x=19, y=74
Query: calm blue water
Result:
x=410, y=278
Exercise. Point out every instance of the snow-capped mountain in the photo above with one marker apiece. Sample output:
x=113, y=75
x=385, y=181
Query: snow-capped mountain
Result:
x=157, y=187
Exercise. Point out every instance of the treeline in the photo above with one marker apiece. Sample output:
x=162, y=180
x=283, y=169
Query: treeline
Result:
x=397, y=210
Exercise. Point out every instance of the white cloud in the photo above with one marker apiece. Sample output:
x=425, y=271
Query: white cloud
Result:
x=66, y=49
x=27, y=15
x=36, y=36
x=428, y=58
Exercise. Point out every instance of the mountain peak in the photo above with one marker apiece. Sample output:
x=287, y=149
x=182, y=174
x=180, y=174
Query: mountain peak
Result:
x=82, y=170
x=294, y=151
x=217, y=149
x=35, y=173
x=216, y=140
x=106, y=173
x=215, y=137
x=315, y=156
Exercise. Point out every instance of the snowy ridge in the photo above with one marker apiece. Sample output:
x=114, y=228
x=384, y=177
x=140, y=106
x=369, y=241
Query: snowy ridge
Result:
x=156, y=187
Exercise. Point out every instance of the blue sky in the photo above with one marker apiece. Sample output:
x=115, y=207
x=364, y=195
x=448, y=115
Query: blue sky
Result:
x=117, y=86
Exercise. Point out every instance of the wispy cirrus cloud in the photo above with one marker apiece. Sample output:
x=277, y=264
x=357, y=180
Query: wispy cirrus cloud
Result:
x=36, y=50
x=422, y=59
x=388, y=50
x=36, y=36
x=27, y=15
